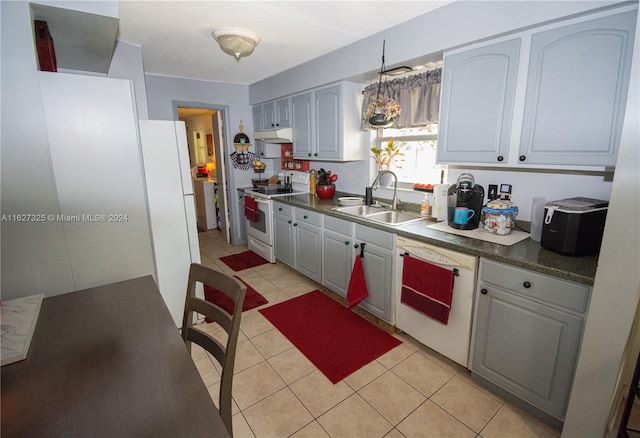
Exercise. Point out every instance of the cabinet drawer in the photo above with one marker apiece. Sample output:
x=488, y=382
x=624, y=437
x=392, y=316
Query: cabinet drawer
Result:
x=282, y=209
x=541, y=287
x=309, y=217
x=383, y=239
x=338, y=225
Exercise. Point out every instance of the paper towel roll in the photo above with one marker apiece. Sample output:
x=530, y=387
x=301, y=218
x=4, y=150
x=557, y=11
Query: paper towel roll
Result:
x=439, y=210
x=537, y=217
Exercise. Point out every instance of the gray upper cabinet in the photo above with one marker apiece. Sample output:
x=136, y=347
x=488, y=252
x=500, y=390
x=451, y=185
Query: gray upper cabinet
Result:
x=576, y=92
x=257, y=118
x=547, y=97
x=478, y=92
x=326, y=123
x=276, y=114
x=302, y=121
x=328, y=116
x=272, y=115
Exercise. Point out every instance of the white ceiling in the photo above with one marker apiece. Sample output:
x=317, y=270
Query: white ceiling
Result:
x=176, y=40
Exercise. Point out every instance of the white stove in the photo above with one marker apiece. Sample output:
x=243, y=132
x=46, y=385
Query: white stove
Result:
x=260, y=231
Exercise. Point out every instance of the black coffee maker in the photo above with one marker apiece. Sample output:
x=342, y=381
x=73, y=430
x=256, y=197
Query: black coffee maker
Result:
x=464, y=203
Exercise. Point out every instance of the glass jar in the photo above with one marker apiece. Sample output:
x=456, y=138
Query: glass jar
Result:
x=499, y=216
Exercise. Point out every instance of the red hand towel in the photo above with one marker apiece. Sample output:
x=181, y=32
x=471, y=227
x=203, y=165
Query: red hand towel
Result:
x=427, y=288
x=251, y=211
x=357, y=285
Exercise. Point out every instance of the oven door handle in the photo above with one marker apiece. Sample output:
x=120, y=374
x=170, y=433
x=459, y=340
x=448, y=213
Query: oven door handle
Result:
x=259, y=201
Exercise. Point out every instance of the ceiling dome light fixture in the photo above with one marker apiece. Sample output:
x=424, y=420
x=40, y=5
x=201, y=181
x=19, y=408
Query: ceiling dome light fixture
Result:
x=236, y=42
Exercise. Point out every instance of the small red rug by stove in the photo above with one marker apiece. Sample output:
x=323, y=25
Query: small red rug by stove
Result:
x=252, y=298
x=244, y=260
x=336, y=340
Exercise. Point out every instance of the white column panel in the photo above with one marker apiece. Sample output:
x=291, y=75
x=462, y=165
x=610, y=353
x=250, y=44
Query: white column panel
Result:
x=93, y=139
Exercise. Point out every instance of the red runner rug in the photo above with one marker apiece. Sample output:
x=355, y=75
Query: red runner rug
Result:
x=252, y=299
x=244, y=260
x=337, y=341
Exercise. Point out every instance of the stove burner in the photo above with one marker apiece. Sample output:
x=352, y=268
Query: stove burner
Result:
x=271, y=190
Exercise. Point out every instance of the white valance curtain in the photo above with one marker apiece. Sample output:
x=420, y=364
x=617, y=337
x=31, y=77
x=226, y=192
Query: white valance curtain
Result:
x=418, y=96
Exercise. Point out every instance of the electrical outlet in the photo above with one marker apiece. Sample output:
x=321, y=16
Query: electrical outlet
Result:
x=492, y=192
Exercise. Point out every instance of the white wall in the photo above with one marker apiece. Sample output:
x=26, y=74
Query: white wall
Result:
x=34, y=255
x=127, y=64
x=424, y=37
x=617, y=284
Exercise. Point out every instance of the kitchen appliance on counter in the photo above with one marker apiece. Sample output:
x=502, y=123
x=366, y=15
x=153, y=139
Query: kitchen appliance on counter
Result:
x=499, y=216
x=260, y=231
x=452, y=339
x=574, y=226
x=464, y=203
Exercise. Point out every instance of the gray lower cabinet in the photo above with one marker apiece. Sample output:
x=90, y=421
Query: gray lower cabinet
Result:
x=283, y=235
x=527, y=334
x=308, y=242
x=298, y=239
x=337, y=254
x=378, y=265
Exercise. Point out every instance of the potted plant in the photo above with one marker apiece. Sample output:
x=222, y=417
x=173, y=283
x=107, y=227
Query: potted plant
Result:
x=386, y=156
x=382, y=111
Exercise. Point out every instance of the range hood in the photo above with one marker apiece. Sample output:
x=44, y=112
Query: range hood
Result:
x=284, y=135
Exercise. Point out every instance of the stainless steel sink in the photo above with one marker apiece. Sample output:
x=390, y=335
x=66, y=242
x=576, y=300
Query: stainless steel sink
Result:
x=360, y=210
x=379, y=214
x=392, y=217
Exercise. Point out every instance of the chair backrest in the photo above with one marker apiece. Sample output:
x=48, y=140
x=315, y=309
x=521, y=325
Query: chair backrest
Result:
x=225, y=355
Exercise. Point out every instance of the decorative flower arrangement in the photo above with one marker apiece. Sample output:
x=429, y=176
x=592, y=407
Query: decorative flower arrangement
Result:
x=386, y=156
x=382, y=107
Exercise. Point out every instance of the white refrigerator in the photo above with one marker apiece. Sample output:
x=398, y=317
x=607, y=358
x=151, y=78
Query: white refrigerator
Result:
x=172, y=213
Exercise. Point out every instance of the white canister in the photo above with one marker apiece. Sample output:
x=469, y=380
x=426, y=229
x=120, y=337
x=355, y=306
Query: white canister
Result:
x=537, y=217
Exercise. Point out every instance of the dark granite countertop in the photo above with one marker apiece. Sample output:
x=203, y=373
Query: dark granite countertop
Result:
x=526, y=254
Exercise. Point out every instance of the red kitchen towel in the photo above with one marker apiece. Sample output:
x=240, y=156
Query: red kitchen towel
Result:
x=251, y=209
x=427, y=288
x=357, y=285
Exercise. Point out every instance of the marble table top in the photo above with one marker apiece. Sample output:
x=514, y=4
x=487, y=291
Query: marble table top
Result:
x=17, y=323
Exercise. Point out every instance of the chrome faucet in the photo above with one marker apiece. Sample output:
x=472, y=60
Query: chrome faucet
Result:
x=376, y=184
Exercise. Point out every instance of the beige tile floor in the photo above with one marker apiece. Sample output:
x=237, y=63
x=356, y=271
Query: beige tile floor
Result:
x=409, y=392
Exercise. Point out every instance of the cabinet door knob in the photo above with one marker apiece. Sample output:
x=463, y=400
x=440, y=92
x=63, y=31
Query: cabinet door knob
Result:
x=305, y=216
x=288, y=222
x=483, y=291
x=500, y=158
x=309, y=153
x=279, y=208
x=522, y=157
x=346, y=242
x=526, y=285
x=315, y=155
x=295, y=225
x=356, y=245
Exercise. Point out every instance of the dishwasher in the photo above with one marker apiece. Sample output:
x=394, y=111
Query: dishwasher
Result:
x=453, y=339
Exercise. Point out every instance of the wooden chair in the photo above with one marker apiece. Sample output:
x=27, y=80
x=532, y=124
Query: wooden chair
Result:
x=225, y=355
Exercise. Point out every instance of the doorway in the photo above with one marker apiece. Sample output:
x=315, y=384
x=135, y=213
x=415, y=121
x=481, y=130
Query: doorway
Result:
x=207, y=143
